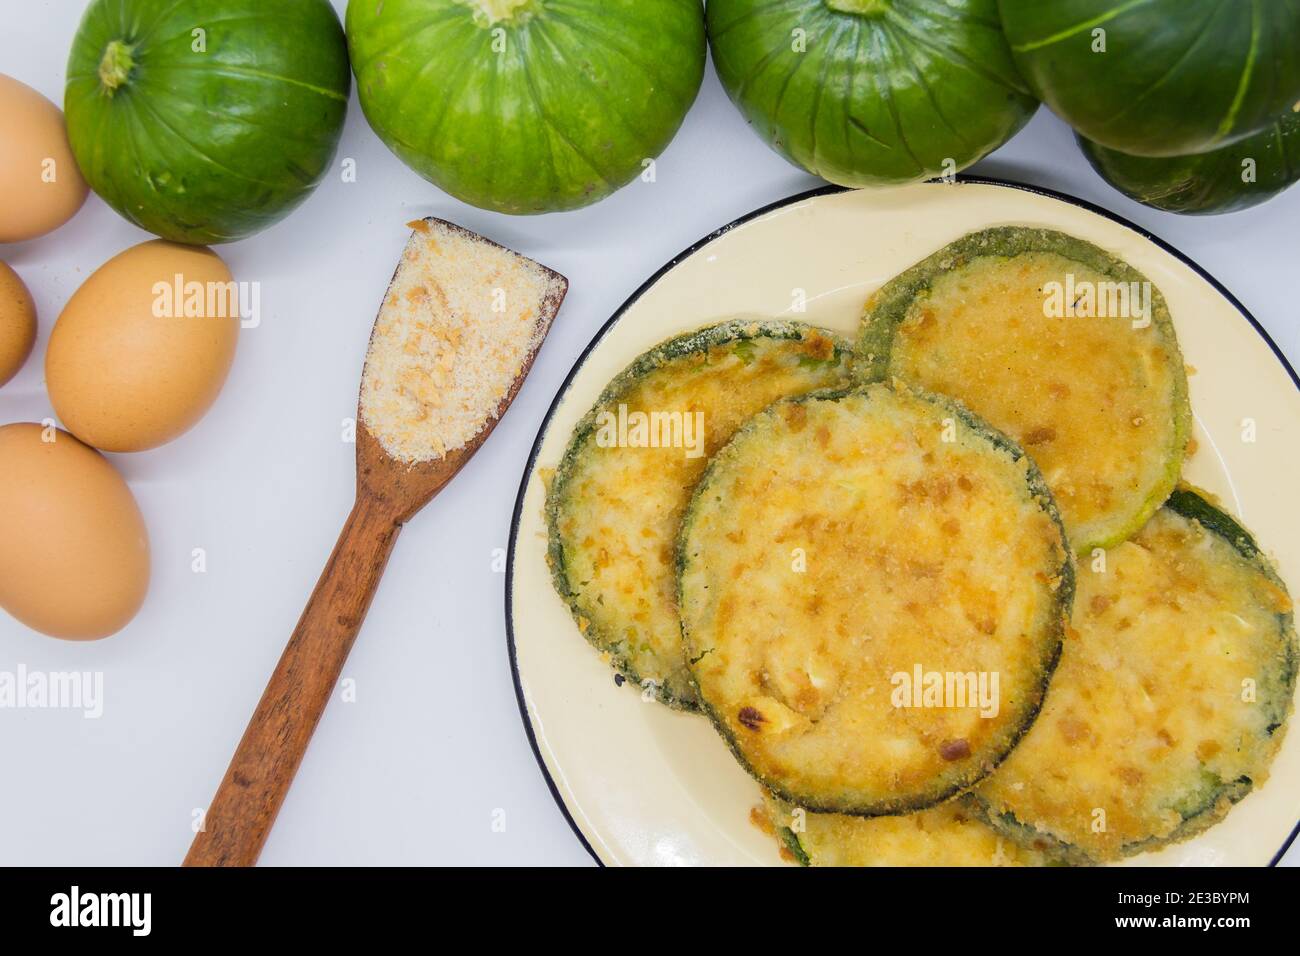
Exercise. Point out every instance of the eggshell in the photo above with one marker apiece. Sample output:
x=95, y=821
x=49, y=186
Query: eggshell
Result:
x=41, y=187
x=17, y=323
x=74, y=555
x=127, y=368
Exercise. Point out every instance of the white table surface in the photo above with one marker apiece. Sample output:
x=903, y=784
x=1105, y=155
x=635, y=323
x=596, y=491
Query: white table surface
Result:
x=431, y=757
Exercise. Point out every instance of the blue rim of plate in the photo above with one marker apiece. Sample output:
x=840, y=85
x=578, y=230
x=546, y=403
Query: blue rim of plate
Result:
x=828, y=190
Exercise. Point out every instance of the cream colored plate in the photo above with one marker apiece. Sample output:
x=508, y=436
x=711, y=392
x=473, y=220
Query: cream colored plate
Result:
x=645, y=785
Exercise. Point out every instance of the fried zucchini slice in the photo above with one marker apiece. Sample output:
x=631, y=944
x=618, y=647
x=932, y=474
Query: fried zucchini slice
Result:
x=1064, y=347
x=840, y=544
x=1172, y=695
x=951, y=834
x=615, y=502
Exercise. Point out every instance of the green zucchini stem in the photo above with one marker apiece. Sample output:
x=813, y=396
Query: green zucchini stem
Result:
x=116, y=66
x=865, y=8
x=497, y=11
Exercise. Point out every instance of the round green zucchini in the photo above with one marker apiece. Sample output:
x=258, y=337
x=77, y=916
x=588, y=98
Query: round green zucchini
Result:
x=205, y=121
x=1171, y=698
x=1230, y=178
x=613, y=508
x=871, y=92
x=1159, y=77
x=527, y=106
x=1066, y=348
x=873, y=586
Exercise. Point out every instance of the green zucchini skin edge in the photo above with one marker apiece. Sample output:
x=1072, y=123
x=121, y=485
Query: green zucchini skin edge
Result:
x=1007, y=825
x=1198, y=817
x=1193, y=506
x=1176, y=77
x=904, y=93
x=1206, y=184
x=790, y=840
x=698, y=341
x=550, y=108
x=1037, y=489
x=159, y=151
x=880, y=325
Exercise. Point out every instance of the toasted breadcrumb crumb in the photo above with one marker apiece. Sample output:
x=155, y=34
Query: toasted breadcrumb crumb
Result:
x=459, y=320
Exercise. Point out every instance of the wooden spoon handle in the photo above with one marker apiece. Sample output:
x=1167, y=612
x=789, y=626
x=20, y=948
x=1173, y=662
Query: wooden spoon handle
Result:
x=241, y=814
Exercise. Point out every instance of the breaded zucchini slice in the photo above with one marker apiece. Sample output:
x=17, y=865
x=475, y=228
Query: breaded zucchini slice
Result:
x=615, y=502
x=1007, y=322
x=839, y=546
x=952, y=834
x=1172, y=695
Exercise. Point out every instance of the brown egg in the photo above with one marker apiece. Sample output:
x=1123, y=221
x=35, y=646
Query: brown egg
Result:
x=41, y=187
x=17, y=323
x=141, y=350
x=74, y=554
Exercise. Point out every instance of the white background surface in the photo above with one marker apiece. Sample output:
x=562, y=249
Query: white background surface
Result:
x=416, y=770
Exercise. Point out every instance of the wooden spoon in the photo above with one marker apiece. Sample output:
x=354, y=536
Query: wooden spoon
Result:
x=389, y=493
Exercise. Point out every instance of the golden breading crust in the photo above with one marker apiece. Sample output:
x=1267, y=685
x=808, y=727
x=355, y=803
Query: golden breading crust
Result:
x=952, y=834
x=615, y=503
x=1171, y=698
x=839, y=553
x=1067, y=349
